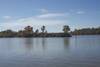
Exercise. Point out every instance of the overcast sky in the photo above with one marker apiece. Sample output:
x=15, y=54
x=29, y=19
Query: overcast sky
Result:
x=16, y=14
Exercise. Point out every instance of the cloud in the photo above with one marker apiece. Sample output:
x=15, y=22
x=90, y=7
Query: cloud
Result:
x=53, y=15
x=47, y=18
x=80, y=12
x=43, y=10
x=7, y=17
x=76, y=11
x=38, y=20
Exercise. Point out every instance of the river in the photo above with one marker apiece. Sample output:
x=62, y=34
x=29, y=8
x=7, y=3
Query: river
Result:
x=75, y=51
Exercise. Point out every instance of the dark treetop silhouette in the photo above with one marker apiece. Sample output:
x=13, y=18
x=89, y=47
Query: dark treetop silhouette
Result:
x=86, y=31
x=28, y=32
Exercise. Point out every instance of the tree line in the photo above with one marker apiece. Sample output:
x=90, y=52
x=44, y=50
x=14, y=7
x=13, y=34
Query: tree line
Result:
x=28, y=32
x=86, y=31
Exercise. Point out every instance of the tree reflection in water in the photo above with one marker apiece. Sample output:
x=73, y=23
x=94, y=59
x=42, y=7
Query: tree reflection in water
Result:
x=29, y=42
x=44, y=43
x=66, y=42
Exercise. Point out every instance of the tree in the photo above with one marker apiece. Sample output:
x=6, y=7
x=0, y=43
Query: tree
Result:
x=37, y=31
x=46, y=31
x=86, y=31
x=28, y=31
x=7, y=33
x=43, y=29
x=66, y=29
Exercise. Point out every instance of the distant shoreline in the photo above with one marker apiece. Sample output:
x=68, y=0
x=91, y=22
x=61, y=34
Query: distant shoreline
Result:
x=68, y=35
x=40, y=35
x=28, y=31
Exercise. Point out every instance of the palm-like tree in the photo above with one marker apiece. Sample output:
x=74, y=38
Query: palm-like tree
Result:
x=37, y=31
x=66, y=29
x=43, y=29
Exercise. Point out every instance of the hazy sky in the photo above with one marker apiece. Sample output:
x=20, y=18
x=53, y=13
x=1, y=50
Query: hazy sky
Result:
x=16, y=14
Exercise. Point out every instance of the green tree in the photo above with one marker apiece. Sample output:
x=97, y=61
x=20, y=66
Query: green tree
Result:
x=66, y=29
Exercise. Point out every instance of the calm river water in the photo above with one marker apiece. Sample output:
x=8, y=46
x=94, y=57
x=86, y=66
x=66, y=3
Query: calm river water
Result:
x=76, y=51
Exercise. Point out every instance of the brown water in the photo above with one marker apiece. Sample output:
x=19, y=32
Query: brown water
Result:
x=80, y=51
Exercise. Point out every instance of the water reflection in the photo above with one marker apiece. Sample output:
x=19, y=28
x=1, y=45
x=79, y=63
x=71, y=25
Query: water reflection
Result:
x=50, y=52
x=43, y=43
x=35, y=44
x=66, y=42
x=29, y=43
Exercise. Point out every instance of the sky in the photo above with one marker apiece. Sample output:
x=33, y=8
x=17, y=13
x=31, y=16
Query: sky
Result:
x=54, y=14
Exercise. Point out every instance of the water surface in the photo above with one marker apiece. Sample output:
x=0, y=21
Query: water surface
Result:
x=76, y=51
